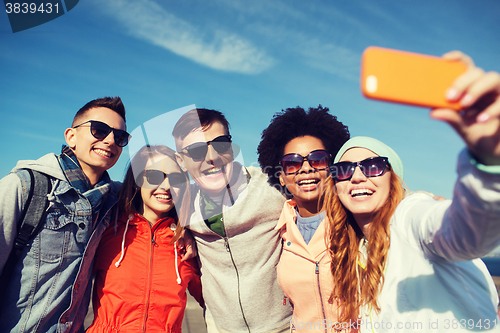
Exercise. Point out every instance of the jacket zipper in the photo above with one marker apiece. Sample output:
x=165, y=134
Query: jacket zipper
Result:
x=228, y=249
x=316, y=271
x=148, y=289
x=320, y=294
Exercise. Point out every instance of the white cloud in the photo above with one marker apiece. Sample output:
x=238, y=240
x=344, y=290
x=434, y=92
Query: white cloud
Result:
x=313, y=51
x=215, y=48
x=312, y=33
x=264, y=9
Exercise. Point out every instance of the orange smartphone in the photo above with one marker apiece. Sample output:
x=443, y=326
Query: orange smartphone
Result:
x=408, y=78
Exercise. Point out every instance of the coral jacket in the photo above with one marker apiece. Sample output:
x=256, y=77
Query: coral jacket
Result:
x=147, y=291
x=305, y=277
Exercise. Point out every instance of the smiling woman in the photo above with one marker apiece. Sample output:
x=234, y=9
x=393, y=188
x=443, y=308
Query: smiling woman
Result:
x=384, y=244
x=400, y=260
x=138, y=263
x=304, y=180
x=296, y=152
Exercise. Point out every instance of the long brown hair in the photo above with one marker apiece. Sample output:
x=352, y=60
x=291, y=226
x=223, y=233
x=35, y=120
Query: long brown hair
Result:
x=130, y=201
x=358, y=286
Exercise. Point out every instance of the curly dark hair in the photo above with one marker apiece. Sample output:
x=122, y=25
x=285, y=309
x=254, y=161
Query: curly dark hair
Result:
x=296, y=122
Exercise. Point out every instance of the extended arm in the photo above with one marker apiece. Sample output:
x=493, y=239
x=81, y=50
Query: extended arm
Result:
x=469, y=227
x=463, y=229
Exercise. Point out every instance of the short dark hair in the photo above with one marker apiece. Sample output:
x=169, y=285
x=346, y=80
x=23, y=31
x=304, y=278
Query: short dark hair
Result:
x=192, y=120
x=112, y=103
x=296, y=122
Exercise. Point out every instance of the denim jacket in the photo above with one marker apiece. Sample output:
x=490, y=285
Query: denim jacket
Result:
x=51, y=283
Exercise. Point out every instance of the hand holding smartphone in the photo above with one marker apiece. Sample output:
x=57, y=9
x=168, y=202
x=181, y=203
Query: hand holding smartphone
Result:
x=408, y=78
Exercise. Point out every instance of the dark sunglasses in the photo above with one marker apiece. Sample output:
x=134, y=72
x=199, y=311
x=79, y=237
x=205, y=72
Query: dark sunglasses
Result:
x=156, y=177
x=318, y=159
x=198, y=150
x=101, y=130
x=371, y=167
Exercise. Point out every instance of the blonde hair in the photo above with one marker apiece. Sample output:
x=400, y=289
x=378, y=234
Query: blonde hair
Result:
x=356, y=287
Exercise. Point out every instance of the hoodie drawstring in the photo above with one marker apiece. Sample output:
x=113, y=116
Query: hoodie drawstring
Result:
x=176, y=266
x=117, y=264
x=50, y=196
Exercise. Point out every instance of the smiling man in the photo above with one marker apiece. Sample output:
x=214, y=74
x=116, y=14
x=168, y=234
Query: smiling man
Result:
x=235, y=211
x=49, y=288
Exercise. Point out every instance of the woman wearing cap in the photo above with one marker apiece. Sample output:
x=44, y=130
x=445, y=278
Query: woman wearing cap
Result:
x=296, y=151
x=411, y=265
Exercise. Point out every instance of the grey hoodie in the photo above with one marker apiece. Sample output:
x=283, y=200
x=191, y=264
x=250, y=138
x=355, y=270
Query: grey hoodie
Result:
x=239, y=279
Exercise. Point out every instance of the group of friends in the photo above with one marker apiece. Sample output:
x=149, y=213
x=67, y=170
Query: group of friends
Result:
x=323, y=237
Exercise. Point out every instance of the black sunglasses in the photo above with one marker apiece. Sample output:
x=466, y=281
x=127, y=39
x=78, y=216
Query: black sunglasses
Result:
x=156, y=177
x=371, y=167
x=101, y=130
x=318, y=159
x=198, y=150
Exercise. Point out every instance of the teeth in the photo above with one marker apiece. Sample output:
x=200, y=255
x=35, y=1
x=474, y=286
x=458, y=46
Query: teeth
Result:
x=212, y=171
x=103, y=152
x=163, y=197
x=308, y=181
x=362, y=191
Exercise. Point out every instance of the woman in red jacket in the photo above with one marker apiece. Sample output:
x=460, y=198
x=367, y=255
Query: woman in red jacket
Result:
x=140, y=279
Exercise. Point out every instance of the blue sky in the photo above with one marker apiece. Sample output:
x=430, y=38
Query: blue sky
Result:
x=248, y=59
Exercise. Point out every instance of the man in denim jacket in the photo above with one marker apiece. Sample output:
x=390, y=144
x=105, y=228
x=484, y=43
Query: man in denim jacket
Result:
x=50, y=286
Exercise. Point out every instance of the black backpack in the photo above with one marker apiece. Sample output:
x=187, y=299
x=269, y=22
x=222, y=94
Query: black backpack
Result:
x=30, y=221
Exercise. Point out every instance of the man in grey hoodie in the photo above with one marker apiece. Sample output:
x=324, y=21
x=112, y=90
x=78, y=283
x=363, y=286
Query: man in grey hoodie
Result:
x=235, y=211
x=49, y=290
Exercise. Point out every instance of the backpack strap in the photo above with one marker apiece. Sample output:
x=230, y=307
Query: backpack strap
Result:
x=30, y=221
x=33, y=214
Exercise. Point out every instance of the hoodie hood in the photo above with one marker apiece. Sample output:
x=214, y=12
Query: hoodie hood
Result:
x=47, y=164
